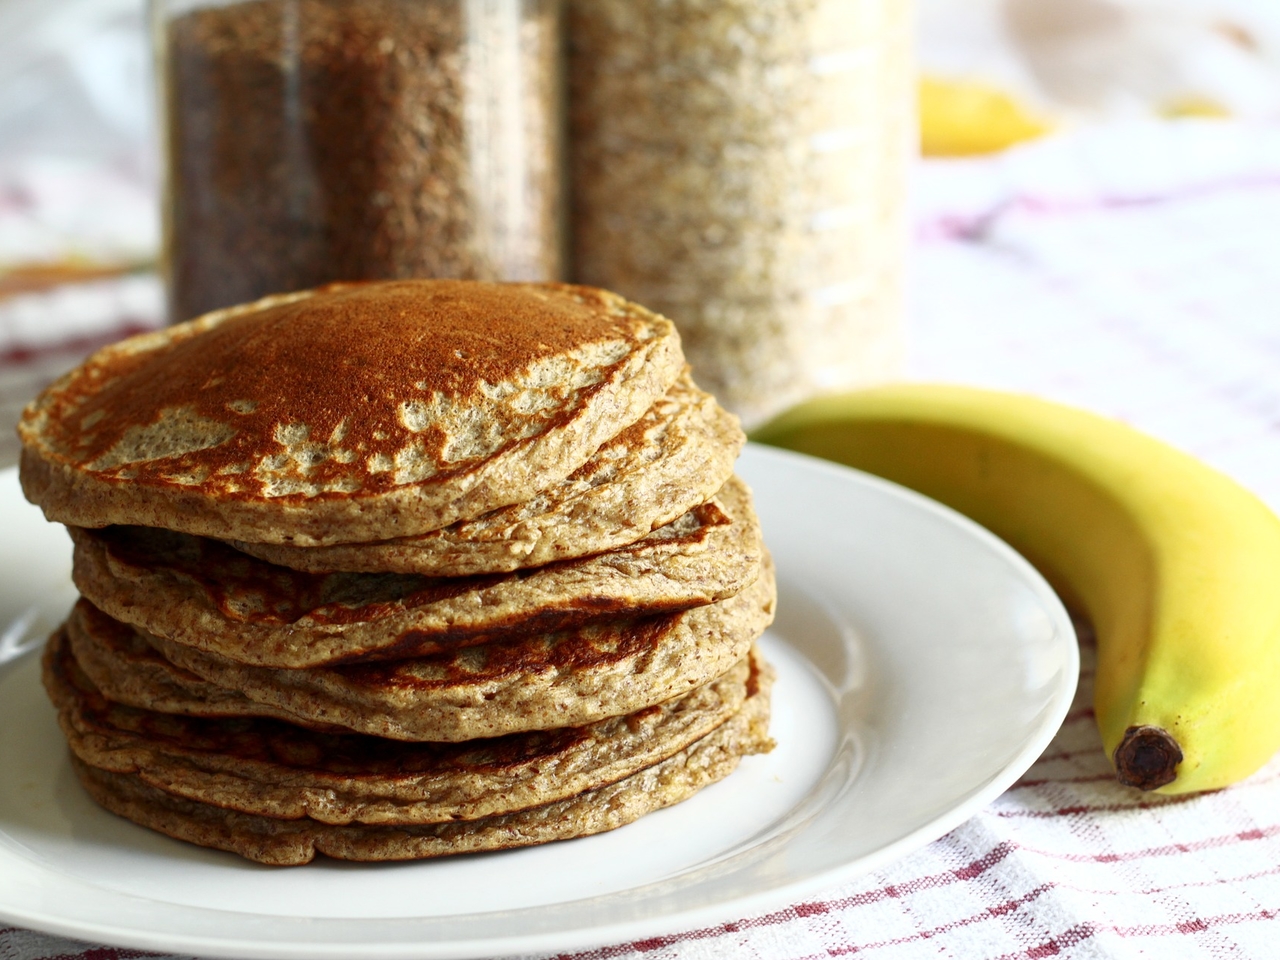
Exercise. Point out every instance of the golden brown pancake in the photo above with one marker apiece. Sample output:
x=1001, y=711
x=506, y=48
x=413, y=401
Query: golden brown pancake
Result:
x=567, y=678
x=288, y=842
x=349, y=413
x=670, y=460
x=129, y=670
x=204, y=594
x=276, y=769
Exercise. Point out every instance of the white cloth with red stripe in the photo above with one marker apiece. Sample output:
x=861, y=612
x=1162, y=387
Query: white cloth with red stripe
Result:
x=1134, y=275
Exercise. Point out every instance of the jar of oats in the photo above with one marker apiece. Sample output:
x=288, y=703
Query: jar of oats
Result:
x=316, y=140
x=739, y=165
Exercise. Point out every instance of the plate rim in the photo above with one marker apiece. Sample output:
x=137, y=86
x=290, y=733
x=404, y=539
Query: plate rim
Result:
x=672, y=924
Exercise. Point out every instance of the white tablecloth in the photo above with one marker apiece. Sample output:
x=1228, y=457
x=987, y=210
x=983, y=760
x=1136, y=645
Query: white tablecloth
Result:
x=1131, y=272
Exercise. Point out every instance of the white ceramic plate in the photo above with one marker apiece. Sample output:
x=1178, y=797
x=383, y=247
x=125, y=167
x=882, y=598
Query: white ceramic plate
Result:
x=923, y=665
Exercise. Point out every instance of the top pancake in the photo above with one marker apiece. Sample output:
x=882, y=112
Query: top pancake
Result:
x=349, y=413
x=666, y=463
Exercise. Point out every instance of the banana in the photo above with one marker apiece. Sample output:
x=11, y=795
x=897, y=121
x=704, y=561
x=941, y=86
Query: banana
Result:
x=959, y=118
x=1177, y=566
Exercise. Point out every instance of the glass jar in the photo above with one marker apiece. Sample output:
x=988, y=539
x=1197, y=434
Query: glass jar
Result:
x=316, y=140
x=740, y=166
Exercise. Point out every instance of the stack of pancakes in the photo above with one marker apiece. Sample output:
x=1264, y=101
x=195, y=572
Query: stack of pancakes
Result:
x=400, y=570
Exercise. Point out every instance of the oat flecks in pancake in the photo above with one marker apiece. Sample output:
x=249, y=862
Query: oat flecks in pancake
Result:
x=204, y=594
x=291, y=842
x=278, y=770
x=528, y=683
x=350, y=413
x=670, y=460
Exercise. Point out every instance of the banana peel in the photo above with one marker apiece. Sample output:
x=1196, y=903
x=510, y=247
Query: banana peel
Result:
x=1177, y=566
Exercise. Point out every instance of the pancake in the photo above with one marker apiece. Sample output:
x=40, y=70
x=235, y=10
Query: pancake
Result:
x=673, y=458
x=289, y=842
x=349, y=413
x=538, y=682
x=129, y=670
x=275, y=769
x=202, y=593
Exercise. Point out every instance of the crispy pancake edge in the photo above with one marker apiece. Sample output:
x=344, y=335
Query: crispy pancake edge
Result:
x=653, y=575
x=295, y=842
x=530, y=686
x=276, y=770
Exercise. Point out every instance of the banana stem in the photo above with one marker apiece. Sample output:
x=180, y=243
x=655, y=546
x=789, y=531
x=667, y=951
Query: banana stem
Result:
x=1147, y=758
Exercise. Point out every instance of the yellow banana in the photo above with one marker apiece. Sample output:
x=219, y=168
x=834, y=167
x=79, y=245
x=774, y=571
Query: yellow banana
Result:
x=1177, y=565
x=959, y=118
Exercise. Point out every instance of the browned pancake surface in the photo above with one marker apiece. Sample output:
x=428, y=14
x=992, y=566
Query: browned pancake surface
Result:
x=352, y=412
x=670, y=460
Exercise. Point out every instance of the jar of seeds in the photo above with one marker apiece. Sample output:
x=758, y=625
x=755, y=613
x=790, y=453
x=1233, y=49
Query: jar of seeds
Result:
x=316, y=140
x=739, y=165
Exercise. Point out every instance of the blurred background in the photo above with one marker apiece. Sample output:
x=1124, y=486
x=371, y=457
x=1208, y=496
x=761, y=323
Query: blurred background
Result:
x=1082, y=160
